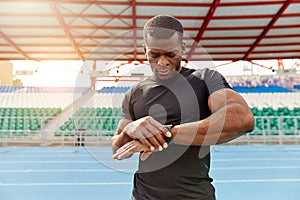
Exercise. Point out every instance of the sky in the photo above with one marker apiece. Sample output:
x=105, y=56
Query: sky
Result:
x=76, y=73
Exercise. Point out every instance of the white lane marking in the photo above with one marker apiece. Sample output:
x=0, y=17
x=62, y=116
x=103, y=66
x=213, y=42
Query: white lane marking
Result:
x=46, y=161
x=130, y=183
x=57, y=171
x=251, y=159
x=64, y=184
x=112, y=161
x=256, y=180
x=254, y=168
x=112, y=170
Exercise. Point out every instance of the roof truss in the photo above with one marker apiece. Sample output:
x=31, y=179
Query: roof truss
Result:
x=111, y=30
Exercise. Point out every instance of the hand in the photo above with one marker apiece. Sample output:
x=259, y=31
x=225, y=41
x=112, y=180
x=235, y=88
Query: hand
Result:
x=149, y=132
x=130, y=148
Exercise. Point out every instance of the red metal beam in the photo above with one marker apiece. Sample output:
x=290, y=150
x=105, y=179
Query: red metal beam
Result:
x=14, y=46
x=125, y=46
x=116, y=52
x=181, y=17
x=268, y=27
x=296, y=64
x=126, y=28
x=192, y=59
x=134, y=18
x=181, y=4
x=228, y=63
x=71, y=2
x=66, y=29
x=223, y=4
x=133, y=7
x=260, y=65
x=202, y=29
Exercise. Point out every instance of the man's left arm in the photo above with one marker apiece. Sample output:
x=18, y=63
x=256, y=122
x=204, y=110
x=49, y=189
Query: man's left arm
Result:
x=231, y=117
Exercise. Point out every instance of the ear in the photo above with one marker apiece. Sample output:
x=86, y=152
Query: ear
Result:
x=144, y=47
x=183, y=48
x=145, y=51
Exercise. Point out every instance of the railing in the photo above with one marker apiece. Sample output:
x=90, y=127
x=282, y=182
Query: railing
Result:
x=274, y=129
x=39, y=131
x=97, y=130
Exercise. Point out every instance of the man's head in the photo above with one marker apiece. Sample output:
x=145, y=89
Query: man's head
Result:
x=162, y=27
x=163, y=36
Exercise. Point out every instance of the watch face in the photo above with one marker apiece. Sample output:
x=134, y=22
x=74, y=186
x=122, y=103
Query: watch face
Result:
x=168, y=127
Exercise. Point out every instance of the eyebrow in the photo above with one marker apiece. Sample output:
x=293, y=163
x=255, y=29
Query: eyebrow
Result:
x=167, y=51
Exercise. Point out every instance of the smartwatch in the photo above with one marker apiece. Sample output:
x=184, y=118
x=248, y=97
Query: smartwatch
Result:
x=168, y=127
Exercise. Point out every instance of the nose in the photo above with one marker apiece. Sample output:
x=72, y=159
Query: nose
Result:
x=163, y=61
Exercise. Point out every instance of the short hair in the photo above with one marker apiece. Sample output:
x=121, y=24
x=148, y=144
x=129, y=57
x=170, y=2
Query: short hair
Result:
x=163, y=27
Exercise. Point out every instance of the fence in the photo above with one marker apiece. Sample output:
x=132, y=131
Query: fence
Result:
x=97, y=130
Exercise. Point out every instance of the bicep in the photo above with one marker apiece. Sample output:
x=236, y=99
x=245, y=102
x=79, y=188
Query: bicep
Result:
x=223, y=97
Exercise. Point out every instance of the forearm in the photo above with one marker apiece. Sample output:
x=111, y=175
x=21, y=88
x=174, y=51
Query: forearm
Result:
x=131, y=147
x=119, y=140
x=228, y=123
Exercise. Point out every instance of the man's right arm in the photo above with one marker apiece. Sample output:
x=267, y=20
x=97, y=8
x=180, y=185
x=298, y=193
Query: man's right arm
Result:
x=146, y=130
x=123, y=146
x=120, y=138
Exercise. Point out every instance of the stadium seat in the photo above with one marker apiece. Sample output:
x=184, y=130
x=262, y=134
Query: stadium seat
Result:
x=271, y=121
x=96, y=121
x=21, y=121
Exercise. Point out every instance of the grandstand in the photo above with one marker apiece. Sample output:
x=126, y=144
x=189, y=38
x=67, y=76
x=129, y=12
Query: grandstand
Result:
x=105, y=38
x=55, y=115
x=44, y=115
x=48, y=115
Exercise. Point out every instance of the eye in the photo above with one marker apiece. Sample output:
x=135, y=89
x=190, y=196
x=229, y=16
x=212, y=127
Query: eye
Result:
x=154, y=54
x=171, y=54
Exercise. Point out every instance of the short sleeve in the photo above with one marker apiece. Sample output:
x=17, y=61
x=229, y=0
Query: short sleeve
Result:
x=214, y=80
x=126, y=106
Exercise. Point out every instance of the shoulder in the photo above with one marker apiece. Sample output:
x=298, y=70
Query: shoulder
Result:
x=202, y=73
x=206, y=73
x=213, y=79
x=140, y=86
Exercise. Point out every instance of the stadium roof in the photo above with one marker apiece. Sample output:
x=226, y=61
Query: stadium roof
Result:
x=72, y=29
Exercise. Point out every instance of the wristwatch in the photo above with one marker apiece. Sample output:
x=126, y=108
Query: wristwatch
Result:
x=169, y=127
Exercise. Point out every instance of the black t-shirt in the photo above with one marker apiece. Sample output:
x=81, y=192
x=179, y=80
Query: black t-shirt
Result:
x=180, y=171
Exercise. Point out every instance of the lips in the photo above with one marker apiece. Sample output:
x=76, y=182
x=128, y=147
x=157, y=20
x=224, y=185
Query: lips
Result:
x=163, y=72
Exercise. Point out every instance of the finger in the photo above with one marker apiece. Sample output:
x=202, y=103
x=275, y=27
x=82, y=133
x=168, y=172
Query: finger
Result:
x=125, y=154
x=124, y=151
x=149, y=136
x=160, y=127
x=153, y=140
x=155, y=137
x=145, y=155
x=146, y=142
x=114, y=156
x=161, y=140
x=134, y=147
x=146, y=132
x=123, y=148
x=118, y=152
x=159, y=136
x=167, y=133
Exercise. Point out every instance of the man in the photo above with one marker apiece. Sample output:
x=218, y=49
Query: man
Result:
x=199, y=105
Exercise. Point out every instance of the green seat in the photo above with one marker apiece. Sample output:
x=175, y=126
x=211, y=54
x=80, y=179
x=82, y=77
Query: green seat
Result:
x=57, y=133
